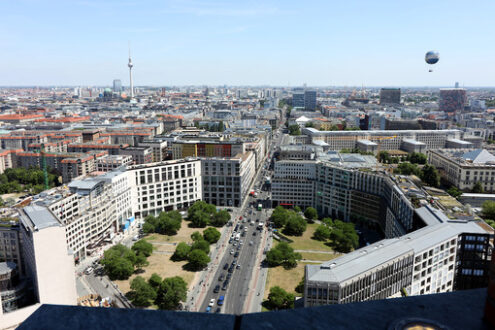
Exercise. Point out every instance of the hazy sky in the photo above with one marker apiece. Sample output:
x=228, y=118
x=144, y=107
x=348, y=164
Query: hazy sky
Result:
x=375, y=43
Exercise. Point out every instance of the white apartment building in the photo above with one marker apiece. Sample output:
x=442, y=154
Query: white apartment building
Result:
x=164, y=186
x=112, y=162
x=465, y=167
x=293, y=183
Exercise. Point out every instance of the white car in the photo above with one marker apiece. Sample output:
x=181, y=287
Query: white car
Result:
x=212, y=302
x=89, y=270
x=232, y=251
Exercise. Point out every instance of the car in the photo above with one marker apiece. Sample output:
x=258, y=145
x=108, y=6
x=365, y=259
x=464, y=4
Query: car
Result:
x=236, y=254
x=235, y=243
x=231, y=270
x=230, y=210
x=218, y=310
x=236, y=227
x=254, y=233
x=212, y=302
x=221, y=300
x=231, y=240
x=225, y=285
x=217, y=289
x=225, y=266
x=243, y=234
x=241, y=227
x=229, y=276
x=251, y=243
x=239, y=248
x=89, y=270
x=135, y=238
x=238, y=266
x=232, y=251
x=208, y=309
x=221, y=277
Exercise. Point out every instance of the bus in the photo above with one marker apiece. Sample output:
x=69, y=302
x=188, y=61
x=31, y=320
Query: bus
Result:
x=260, y=207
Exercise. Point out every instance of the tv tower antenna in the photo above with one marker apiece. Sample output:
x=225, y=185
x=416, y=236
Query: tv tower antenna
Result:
x=130, y=65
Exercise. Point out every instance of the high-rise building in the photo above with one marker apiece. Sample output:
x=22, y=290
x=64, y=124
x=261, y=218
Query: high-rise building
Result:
x=117, y=86
x=390, y=96
x=298, y=99
x=310, y=100
x=452, y=99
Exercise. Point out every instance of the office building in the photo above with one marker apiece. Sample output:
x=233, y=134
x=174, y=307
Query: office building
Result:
x=429, y=260
x=390, y=96
x=110, y=163
x=464, y=168
x=452, y=99
x=310, y=100
x=298, y=99
x=226, y=181
x=117, y=86
x=140, y=155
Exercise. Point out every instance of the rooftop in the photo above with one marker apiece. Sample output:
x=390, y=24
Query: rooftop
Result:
x=40, y=217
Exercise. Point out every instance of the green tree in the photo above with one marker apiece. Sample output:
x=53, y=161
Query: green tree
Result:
x=311, y=213
x=295, y=225
x=150, y=224
x=198, y=259
x=309, y=124
x=297, y=209
x=491, y=223
x=201, y=206
x=488, y=210
x=171, y=293
x=119, y=262
x=282, y=254
x=181, y=252
x=454, y=192
x=155, y=281
x=430, y=176
x=199, y=219
x=294, y=130
x=141, y=293
x=142, y=247
x=478, y=188
x=300, y=286
x=202, y=245
x=407, y=168
x=196, y=236
x=211, y=235
x=384, y=157
x=168, y=223
x=141, y=261
x=279, y=217
x=322, y=233
x=278, y=298
x=220, y=218
x=417, y=158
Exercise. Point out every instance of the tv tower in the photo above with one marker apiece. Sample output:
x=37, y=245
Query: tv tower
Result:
x=130, y=65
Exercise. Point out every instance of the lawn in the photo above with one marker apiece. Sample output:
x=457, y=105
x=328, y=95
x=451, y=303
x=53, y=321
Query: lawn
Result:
x=184, y=235
x=306, y=242
x=287, y=279
x=319, y=256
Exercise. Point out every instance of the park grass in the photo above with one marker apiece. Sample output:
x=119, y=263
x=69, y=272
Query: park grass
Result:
x=306, y=241
x=183, y=235
x=319, y=256
x=287, y=279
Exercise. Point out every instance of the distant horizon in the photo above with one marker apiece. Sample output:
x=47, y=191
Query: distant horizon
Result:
x=189, y=42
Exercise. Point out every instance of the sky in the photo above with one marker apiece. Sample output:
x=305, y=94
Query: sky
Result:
x=277, y=43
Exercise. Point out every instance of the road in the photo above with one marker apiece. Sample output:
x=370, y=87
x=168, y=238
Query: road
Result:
x=244, y=290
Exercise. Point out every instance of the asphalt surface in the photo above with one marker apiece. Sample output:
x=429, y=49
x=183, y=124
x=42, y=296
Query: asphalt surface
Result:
x=238, y=291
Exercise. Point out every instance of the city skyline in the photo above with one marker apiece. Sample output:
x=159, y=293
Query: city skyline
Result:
x=271, y=43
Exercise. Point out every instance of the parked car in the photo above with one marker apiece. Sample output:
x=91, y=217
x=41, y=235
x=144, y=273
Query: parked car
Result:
x=217, y=289
x=221, y=277
x=89, y=270
x=208, y=309
x=226, y=266
x=221, y=300
x=212, y=302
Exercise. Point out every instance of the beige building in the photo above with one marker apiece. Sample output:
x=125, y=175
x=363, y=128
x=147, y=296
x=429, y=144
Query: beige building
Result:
x=465, y=167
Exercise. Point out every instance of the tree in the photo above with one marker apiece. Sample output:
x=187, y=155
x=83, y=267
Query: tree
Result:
x=198, y=259
x=171, y=293
x=491, y=223
x=155, y=281
x=221, y=127
x=384, y=157
x=294, y=130
x=297, y=209
x=150, y=224
x=343, y=236
x=169, y=223
x=142, y=247
x=478, y=188
x=295, y=225
x=282, y=254
x=488, y=210
x=181, y=252
x=430, y=176
x=220, y=218
x=119, y=262
x=300, y=286
x=199, y=219
x=141, y=261
x=407, y=168
x=322, y=233
x=454, y=192
x=196, y=236
x=278, y=298
x=141, y=292
x=211, y=235
x=311, y=213
x=417, y=158
x=279, y=217
x=202, y=245
x=201, y=206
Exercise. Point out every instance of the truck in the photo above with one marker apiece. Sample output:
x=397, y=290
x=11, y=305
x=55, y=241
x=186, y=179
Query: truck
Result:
x=237, y=236
x=260, y=207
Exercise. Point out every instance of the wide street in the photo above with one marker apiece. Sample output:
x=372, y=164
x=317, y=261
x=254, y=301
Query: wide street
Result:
x=250, y=248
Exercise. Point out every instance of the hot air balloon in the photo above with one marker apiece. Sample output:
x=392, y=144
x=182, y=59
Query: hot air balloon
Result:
x=431, y=58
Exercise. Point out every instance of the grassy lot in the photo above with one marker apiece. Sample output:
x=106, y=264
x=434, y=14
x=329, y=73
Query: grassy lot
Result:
x=160, y=262
x=287, y=279
x=319, y=256
x=305, y=242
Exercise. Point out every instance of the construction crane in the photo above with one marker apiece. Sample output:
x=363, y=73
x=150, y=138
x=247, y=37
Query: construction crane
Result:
x=43, y=166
